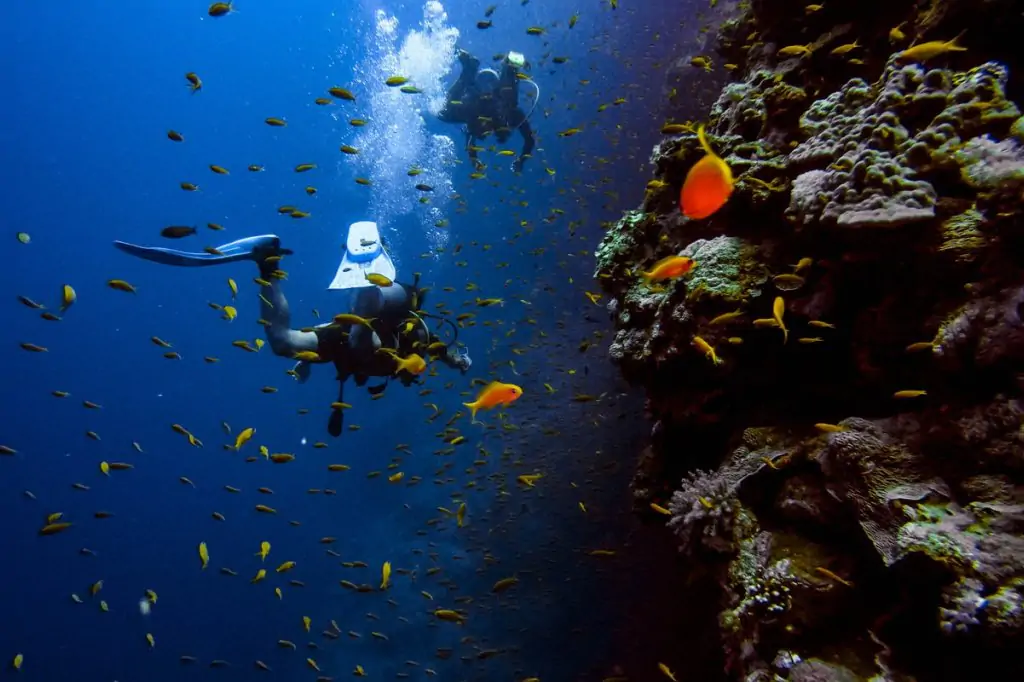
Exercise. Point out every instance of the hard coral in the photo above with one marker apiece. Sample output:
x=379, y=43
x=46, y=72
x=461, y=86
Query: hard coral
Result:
x=983, y=547
x=984, y=333
x=885, y=143
x=880, y=478
x=726, y=269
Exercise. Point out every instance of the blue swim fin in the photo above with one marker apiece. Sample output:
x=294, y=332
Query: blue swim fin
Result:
x=250, y=248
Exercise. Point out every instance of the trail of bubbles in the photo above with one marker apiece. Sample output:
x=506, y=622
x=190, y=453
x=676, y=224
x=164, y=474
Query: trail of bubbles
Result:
x=395, y=138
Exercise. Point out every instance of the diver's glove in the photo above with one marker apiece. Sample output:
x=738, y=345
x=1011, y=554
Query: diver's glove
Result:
x=462, y=361
x=302, y=369
x=264, y=251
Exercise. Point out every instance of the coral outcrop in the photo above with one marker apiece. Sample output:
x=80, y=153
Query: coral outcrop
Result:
x=853, y=469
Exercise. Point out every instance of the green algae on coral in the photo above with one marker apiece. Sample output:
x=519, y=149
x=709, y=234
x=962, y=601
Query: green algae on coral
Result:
x=727, y=269
x=620, y=240
x=961, y=236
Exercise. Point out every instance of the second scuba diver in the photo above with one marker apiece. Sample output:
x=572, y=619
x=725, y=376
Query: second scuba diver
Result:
x=396, y=328
x=488, y=103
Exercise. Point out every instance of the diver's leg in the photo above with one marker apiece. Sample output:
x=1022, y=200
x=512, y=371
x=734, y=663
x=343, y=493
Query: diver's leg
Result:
x=362, y=340
x=283, y=340
x=337, y=420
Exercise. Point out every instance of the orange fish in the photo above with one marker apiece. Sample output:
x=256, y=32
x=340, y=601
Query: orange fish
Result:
x=494, y=394
x=708, y=183
x=669, y=268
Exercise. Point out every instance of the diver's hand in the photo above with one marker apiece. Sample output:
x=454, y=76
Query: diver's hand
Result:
x=463, y=362
x=301, y=370
x=517, y=165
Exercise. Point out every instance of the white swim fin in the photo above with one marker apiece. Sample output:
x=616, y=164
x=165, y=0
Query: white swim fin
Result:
x=364, y=254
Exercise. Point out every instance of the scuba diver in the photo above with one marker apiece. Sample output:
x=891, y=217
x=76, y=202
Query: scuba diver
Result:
x=393, y=328
x=488, y=103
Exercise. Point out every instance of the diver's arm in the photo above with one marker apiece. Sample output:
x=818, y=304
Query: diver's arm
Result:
x=455, y=110
x=283, y=340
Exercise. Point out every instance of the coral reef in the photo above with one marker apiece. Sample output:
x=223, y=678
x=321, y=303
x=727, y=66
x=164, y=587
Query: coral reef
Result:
x=855, y=483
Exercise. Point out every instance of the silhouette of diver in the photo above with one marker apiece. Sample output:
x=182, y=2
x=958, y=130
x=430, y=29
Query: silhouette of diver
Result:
x=393, y=311
x=489, y=104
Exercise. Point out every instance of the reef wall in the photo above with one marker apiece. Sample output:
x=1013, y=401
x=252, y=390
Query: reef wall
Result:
x=851, y=477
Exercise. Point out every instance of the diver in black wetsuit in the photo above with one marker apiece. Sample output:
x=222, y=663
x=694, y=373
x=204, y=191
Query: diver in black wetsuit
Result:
x=488, y=103
x=397, y=323
x=354, y=350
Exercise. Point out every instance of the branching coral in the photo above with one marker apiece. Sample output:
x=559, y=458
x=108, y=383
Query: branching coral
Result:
x=703, y=513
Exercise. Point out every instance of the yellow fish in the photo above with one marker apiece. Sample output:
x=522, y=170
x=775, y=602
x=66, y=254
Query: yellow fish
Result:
x=244, y=437
x=204, y=554
x=778, y=310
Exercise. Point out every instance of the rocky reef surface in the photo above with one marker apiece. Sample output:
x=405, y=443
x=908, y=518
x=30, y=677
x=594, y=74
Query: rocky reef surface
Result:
x=853, y=480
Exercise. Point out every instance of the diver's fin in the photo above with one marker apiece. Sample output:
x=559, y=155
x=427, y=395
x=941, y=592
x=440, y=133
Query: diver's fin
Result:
x=335, y=423
x=364, y=254
x=250, y=248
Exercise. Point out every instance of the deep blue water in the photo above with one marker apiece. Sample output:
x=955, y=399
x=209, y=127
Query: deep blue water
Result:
x=89, y=92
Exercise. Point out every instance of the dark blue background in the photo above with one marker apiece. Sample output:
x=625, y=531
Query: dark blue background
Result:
x=89, y=92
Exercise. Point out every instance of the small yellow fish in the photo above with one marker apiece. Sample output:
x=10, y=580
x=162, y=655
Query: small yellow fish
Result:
x=264, y=550
x=796, y=51
x=244, y=437
x=68, y=298
x=204, y=554
x=930, y=50
x=726, y=318
x=385, y=575
x=778, y=310
x=909, y=394
x=843, y=49
x=707, y=349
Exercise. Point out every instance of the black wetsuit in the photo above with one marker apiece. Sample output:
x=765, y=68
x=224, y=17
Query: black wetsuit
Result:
x=486, y=113
x=355, y=356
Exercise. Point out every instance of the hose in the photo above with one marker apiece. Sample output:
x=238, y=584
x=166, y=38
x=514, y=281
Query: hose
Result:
x=536, y=98
x=455, y=330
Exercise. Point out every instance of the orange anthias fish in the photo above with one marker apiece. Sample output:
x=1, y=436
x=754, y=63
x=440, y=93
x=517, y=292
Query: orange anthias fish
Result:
x=708, y=183
x=669, y=268
x=494, y=394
